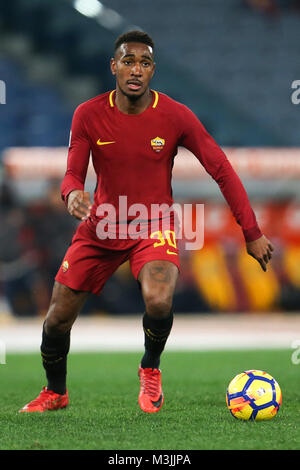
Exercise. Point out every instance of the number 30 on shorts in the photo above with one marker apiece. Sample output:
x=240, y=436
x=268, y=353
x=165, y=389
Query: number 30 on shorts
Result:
x=168, y=236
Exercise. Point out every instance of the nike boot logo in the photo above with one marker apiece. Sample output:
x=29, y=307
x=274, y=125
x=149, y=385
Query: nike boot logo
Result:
x=158, y=402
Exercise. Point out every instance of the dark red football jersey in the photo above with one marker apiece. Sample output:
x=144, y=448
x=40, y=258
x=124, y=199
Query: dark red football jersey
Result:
x=133, y=155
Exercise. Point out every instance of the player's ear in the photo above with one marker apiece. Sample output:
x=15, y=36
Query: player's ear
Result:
x=113, y=65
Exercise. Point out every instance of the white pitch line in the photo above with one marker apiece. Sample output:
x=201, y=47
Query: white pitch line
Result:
x=190, y=332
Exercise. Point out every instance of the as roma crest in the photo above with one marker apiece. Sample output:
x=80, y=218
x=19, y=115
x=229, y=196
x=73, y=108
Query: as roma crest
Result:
x=65, y=266
x=158, y=144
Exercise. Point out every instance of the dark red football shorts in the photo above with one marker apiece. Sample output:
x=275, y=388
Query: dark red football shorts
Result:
x=90, y=262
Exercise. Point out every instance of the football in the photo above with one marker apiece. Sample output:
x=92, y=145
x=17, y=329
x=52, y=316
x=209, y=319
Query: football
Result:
x=253, y=395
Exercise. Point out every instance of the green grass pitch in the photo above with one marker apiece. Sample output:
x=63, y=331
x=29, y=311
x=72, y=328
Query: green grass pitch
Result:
x=104, y=412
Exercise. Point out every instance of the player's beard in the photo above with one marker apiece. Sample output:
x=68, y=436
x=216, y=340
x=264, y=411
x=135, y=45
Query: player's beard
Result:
x=133, y=98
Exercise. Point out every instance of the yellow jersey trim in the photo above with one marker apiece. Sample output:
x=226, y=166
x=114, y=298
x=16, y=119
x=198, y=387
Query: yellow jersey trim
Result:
x=111, y=102
x=155, y=99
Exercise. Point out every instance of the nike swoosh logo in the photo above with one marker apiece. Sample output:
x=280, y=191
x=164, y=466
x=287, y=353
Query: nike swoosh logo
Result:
x=104, y=143
x=158, y=402
x=169, y=252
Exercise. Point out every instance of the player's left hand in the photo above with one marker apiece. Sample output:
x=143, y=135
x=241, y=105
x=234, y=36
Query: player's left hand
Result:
x=261, y=249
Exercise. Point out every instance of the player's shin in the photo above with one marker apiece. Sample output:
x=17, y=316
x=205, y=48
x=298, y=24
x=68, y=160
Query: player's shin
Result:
x=156, y=331
x=54, y=351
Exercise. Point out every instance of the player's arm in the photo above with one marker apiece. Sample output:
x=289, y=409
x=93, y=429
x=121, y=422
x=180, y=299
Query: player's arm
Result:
x=72, y=188
x=195, y=138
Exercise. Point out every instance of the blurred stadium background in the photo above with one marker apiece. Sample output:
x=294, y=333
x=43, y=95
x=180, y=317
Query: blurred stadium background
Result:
x=233, y=63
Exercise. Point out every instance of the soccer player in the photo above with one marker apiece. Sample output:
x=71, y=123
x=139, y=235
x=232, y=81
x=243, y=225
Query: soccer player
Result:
x=132, y=133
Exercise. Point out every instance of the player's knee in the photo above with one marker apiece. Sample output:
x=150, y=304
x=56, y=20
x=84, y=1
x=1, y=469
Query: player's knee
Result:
x=56, y=326
x=57, y=322
x=158, y=304
x=64, y=307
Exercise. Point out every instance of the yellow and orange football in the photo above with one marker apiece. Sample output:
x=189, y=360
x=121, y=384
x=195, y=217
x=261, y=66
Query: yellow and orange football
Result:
x=253, y=395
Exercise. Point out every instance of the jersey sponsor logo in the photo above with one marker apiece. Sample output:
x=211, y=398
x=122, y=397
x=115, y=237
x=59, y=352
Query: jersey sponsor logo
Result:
x=65, y=266
x=158, y=144
x=99, y=142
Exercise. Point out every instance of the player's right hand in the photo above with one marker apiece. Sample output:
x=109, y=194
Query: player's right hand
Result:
x=79, y=204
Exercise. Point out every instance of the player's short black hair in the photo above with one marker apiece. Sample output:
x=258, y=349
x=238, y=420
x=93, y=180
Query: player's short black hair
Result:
x=134, y=36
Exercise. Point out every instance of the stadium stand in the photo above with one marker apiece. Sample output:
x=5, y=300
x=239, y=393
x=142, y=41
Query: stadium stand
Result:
x=36, y=115
x=247, y=61
x=236, y=63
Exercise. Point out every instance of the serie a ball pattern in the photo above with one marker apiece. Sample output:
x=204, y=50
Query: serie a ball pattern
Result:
x=253, y=395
